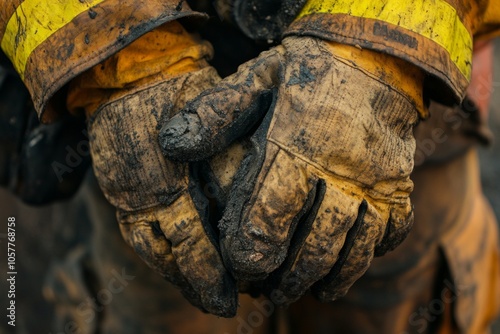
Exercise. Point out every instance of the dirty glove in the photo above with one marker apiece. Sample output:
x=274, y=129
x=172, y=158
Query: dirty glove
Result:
x=163, y=213
x=326, y=186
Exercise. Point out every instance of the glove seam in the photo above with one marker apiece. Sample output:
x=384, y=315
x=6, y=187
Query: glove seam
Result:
x=125, y=93
x=142, y=210
x=339, y=177
x=372, y=76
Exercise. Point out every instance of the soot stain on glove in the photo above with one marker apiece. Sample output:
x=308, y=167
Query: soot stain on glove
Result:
x=155, y=227
x=302, y=231
x=302, y=78
x=132, y=154
x=348, y=244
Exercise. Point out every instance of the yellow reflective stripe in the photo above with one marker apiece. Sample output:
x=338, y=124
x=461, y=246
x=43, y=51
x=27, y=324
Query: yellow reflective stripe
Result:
x=434, y=19
x=36, y=20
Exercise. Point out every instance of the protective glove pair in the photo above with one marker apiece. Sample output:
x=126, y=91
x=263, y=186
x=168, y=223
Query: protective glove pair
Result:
x=323, y=188
x=326, y=184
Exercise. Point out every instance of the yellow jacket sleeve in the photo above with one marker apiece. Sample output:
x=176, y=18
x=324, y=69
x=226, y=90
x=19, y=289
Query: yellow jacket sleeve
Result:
x=51, y=42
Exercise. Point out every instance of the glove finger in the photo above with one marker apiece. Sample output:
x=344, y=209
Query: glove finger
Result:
x=255, y=235
x=148, y=241
x=354, y=258
x=217, y=117
x=314, y=253
x=397, y=229
x=193, y=245
x=192, y=262
x=222, y=167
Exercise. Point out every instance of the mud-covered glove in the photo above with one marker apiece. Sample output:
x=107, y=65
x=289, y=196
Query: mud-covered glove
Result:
x=39, y=163
x=163, y=212
x=326, y=186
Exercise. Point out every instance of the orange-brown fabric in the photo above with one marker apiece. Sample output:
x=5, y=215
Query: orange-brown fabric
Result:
x=480, y=88
x=87, y=40
x=471, y=247
x=491, y=21
x=7, y=8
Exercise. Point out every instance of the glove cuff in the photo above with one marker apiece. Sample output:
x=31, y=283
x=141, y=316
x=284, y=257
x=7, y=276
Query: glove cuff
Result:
x=401, y=76
x=161, y=54
x=430, y=34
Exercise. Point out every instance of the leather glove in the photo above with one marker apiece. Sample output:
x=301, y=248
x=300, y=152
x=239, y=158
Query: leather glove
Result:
x=39, y=163
x=162, y=209
x=326, y=186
